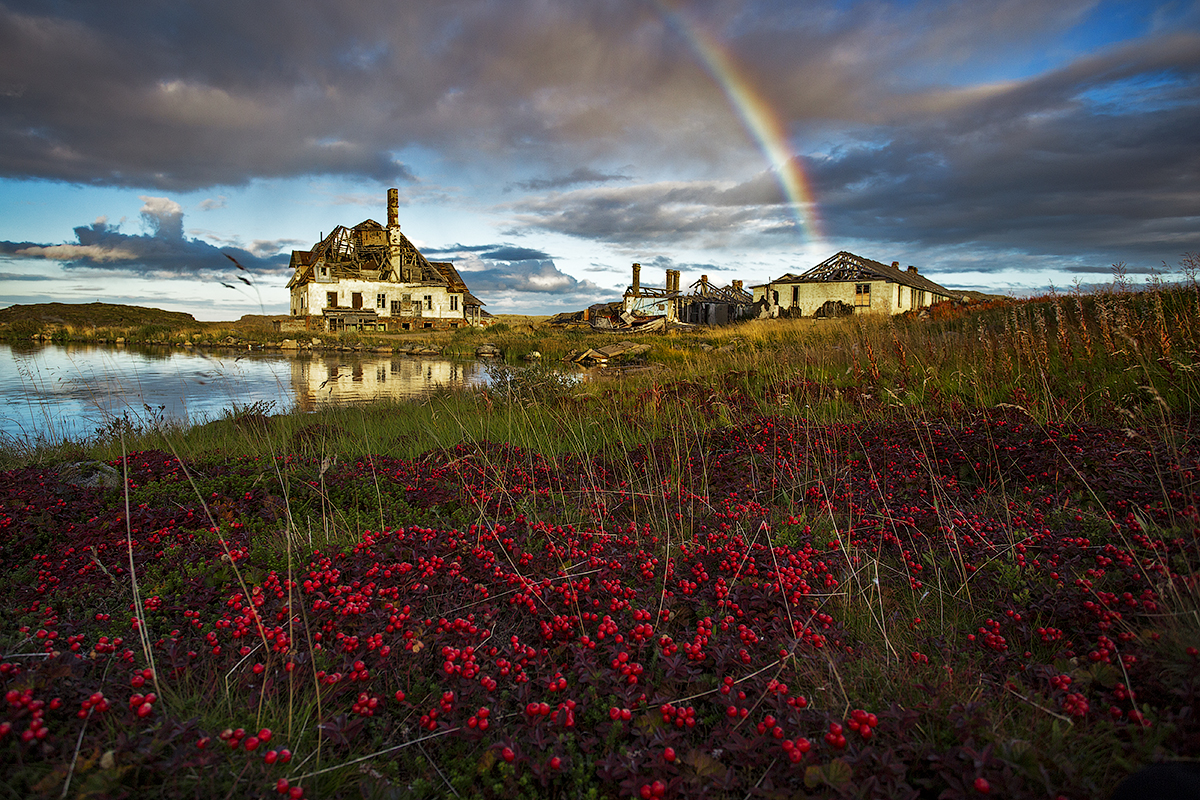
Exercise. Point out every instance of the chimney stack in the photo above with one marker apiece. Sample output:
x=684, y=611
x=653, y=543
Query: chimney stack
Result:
x=737, y=286
x=704, y=283
x=895, y=265
x=912, y=270
x=637, y=279
x=672, y=280
x=393, y=208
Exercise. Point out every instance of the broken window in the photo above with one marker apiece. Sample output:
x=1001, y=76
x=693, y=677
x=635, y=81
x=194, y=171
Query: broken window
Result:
x=381, y=301
x=429, y=302
x=397, y=306
x=331, y=299
x=862, y=295
x=795, y=296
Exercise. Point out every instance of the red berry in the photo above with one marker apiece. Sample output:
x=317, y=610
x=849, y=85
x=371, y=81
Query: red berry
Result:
x=982, y=786
x=507, y=754
x=669, y=754
x=556, y=763
x=252, y=743
x=281, y=785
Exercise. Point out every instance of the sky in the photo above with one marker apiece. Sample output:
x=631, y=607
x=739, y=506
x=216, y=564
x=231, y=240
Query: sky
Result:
x=543, y=146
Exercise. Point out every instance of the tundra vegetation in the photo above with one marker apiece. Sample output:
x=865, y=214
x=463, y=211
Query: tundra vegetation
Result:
x=933, y=558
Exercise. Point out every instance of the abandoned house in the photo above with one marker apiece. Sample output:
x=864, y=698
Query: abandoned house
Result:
x=709, y=304
x=869, y=287
x=704, y=303
x=651, y=301
x=372, y=277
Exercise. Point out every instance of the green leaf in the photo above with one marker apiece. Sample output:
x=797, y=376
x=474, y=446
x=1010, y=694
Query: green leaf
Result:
x=705, y=765
x=838, y=772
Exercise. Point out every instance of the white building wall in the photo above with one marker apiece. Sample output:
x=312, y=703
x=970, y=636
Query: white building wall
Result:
x=435, y=301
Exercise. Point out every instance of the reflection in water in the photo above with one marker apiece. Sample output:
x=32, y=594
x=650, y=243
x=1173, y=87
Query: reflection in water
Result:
x=53, y=392
x=336, y=379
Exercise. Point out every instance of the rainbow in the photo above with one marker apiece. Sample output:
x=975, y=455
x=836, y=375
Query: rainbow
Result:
x=760, y=119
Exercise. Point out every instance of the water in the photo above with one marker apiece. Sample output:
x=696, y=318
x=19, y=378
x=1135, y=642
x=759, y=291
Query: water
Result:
x=53, y=392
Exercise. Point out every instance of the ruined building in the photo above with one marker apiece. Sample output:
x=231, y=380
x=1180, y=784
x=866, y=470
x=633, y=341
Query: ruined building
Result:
x=373, y=277
x=704, y=303
x=854, y=282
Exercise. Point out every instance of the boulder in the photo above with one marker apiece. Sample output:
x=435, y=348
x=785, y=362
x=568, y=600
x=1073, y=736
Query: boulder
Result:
x=91, y=475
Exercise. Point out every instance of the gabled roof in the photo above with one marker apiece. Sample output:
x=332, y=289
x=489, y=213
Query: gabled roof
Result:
x=846, y=267
x=448, y=271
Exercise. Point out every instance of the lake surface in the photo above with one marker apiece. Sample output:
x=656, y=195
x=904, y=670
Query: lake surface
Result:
x=51, y=392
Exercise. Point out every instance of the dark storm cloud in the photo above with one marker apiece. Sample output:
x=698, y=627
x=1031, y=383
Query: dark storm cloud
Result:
x=576, y=177
x=17, y=276
x=704, y=212
x=937, y=124
x=163, y=250
x=194, y=94
x=1062, y=165
x=510, y=253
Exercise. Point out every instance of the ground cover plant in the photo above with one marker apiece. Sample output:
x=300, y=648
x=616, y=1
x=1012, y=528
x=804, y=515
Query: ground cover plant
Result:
x=883, y=566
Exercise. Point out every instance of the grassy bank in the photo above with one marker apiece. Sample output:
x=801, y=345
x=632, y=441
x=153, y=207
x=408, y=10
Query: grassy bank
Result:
x=858, y=558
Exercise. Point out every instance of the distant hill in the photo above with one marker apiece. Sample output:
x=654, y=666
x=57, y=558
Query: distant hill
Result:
x=82, y=315
x=980, y=297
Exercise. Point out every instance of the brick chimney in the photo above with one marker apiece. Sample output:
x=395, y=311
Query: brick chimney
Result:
x=393, y=208
x=895, y=265
x=737, y=286
x=912, y=270
x=398, y=271
x=637, y=279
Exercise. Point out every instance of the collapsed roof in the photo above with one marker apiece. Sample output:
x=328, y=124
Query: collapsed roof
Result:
x=846, y=267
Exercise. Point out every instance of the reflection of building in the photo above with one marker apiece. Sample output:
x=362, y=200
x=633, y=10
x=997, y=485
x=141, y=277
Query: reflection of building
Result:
x=351, y=378
x=369, y=276
x=855, y=282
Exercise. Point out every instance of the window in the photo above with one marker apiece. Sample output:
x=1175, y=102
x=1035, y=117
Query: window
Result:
x=356, y=299
x=331, y=299
x=795, y=296
x=862, y=295
x=454, y=302
x=381, y=301
x=429, y=302
x=397, y=306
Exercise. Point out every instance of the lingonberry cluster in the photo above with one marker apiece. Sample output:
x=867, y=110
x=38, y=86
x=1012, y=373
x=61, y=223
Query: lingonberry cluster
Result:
x=647, y=623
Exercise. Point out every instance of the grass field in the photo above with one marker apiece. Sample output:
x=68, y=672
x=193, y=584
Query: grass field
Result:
x=934, y=558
